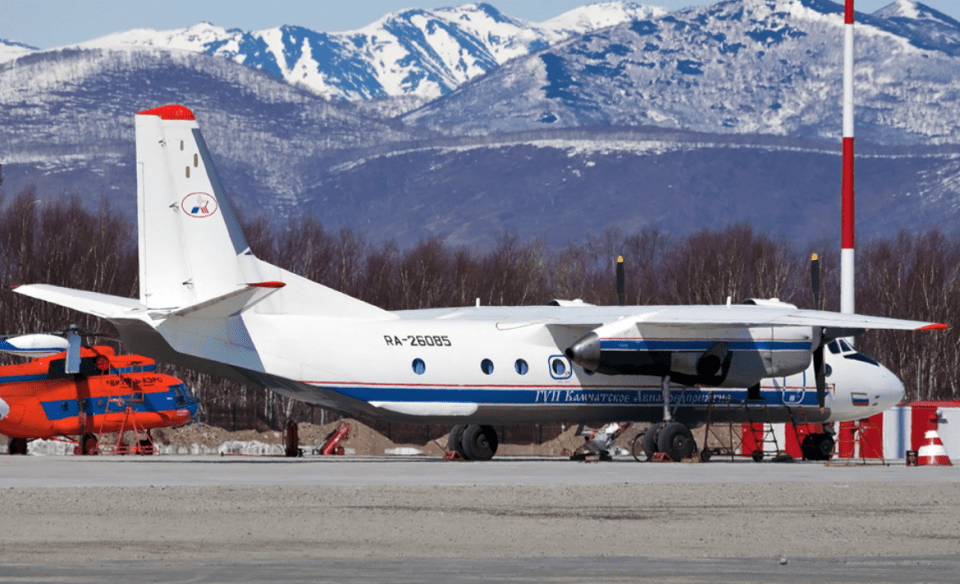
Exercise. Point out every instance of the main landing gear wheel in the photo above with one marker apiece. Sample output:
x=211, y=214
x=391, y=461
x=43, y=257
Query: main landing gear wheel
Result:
x=636, y=447
x=817, y=446
x=88, y=444
x=17, y=446
x=479, y=442
x=649, y=441
x=676, y=441
x=453, y=440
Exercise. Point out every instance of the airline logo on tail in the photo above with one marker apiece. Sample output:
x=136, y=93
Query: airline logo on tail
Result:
x=199, y=205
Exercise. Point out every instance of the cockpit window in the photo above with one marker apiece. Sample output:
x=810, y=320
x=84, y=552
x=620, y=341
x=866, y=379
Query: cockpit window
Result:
x=843, y=345
x=861, y=357
x=183, y=395
x=834, y=347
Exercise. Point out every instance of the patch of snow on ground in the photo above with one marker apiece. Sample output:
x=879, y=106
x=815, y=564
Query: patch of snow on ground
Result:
x=253, y=447
x=403, y=451
x=50, y=448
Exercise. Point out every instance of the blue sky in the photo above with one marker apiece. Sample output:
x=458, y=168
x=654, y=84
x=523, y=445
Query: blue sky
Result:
x=50, y=23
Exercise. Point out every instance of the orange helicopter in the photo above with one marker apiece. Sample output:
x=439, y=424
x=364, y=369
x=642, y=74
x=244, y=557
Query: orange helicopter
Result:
x=73, y=390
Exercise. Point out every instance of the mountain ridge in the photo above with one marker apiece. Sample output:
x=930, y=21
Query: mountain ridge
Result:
x=498, y=164
x=418, y=52
x=738, y=66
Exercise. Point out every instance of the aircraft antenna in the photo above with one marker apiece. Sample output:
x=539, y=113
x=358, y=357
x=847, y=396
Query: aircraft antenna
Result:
x=815, y=280
x=621, y=282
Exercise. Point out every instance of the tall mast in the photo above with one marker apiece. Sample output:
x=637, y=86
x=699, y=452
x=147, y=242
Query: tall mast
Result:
x=846, y=206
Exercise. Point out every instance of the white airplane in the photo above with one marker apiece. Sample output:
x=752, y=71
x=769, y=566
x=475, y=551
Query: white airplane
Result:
x=207, y=303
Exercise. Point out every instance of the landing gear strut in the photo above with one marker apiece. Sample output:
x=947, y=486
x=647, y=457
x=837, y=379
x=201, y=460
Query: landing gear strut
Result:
x=473, y=442
x=669, y=437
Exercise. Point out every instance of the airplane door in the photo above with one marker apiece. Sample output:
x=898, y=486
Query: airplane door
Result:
x=791, y=392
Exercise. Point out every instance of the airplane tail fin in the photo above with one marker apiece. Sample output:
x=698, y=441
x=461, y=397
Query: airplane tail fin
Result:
x=192, y=249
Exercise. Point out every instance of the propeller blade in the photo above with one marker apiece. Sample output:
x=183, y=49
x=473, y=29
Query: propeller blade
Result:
x=73, y=350
x=820, y=375
x=621, y=282
x=815, y=280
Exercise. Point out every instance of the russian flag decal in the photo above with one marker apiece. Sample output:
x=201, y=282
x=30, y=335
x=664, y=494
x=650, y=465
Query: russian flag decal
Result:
x=860, y=399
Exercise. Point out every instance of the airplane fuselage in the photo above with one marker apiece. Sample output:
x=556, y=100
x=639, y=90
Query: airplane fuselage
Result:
x=466, y=366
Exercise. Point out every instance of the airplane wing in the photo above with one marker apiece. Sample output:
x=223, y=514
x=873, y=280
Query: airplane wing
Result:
x=737, y=315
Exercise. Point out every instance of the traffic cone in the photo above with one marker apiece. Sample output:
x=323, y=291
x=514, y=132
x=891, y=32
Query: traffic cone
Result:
x=932, y=453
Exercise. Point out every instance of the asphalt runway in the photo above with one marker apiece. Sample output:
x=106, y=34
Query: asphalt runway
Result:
x=380, y=519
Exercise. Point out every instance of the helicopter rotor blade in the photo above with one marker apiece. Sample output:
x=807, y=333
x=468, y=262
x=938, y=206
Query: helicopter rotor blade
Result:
x=73, y=351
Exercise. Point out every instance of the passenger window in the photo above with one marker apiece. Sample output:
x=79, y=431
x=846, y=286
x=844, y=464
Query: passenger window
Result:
x=486, y=366
x=558, y=367
x=521, y=367
x=419, y=366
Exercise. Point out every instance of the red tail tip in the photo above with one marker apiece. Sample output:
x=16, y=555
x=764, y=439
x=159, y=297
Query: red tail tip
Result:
x=267, y=284
x=933, y=327
x=169, y=112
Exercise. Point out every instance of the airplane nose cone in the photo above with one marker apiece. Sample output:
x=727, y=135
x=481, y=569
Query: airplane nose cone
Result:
x=890, y=389
x=4, y=409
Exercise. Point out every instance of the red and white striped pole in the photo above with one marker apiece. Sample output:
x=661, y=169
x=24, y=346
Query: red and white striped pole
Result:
x=846, y=205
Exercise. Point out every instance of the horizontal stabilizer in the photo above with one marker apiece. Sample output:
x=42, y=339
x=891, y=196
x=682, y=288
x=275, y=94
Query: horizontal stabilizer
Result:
x=102, y=305
x=231, y=303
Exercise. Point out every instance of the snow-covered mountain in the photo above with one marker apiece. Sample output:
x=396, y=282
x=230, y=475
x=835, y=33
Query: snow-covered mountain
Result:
x=739, y=66
x=413, y=52
x=66, y=123
x=925, y=27
x=586, y=134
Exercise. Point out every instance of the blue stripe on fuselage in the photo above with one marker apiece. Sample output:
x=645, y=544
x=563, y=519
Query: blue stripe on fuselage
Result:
x=23, y=378
x=152, y=402
x=565, y=395
x=672, y=345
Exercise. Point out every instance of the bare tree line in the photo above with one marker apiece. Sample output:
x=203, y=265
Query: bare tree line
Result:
x=907, y=276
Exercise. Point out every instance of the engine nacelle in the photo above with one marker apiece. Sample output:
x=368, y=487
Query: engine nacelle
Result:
x=728, y=357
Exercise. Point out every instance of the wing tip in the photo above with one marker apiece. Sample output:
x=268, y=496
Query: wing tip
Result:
x=937, y=326
x=170, y=112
